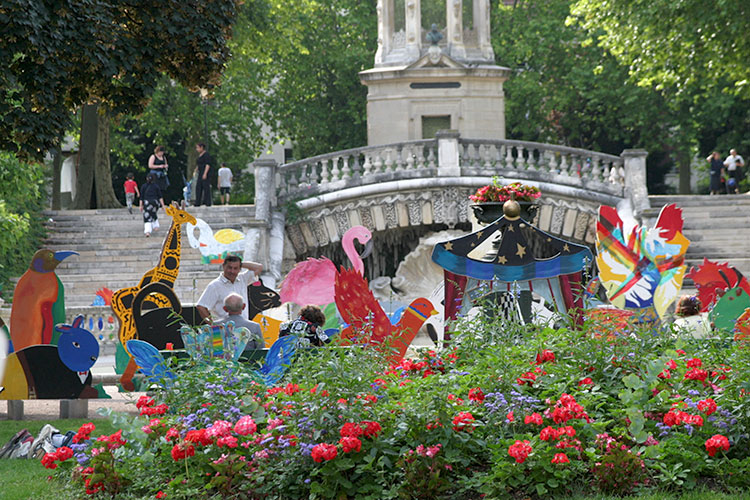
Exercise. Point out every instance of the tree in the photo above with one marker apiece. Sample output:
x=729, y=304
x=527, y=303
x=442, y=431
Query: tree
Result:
x=679, y=45
x=59, y=55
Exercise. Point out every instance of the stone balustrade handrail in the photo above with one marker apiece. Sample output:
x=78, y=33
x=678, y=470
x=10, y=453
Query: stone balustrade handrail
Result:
x=355, y=167
x=476, y=157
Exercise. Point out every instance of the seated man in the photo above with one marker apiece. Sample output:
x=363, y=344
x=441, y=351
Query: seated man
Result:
x=233, y=306
x=211, y=303
x=308, y=327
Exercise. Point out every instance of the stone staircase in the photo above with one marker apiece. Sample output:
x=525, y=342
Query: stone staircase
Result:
x=114, y=252
x=718, y=228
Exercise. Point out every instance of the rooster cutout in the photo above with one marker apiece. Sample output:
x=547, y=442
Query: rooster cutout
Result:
x=712, y=279
x=645, y=268
x=366, y=317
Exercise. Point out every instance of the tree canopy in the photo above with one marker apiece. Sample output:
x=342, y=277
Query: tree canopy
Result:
x=57, y=55
x=679, y=44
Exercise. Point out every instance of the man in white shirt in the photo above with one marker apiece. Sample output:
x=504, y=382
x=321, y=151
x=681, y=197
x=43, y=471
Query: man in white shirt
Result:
x=211, y=302
x=225, y=183
x=733, y=163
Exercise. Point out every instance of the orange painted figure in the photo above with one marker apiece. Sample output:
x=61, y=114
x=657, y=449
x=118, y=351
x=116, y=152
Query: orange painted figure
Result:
x=366, y=317
x=31, y=317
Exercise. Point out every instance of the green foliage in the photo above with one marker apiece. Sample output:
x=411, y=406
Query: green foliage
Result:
x=59, y=55
x=682, y=46
x=21, y=203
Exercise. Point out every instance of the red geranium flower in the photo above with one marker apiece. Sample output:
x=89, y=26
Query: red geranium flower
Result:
x=696, y=374
x=716, y=443
x=370, y=429
x=707, y=406
x=349, y=444
x=560, y=458
x=546, y=356
x=182, y=450
x=324, y=451
x=534, y=418
x=520, y=450
x=586, y=381
x=694, y=363
x=350, y=429
x=464, y=421
x=476, y=395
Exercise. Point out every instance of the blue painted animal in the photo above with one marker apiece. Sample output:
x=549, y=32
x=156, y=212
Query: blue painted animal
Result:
x=278, y=359
x=150, y=362
x=53, y=372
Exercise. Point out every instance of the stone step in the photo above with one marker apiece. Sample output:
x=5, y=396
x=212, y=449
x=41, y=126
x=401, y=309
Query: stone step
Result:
x=689, y=201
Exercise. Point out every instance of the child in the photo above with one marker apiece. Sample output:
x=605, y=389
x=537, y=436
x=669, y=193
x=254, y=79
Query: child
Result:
x=308, y=327
x=131, y=190
x=225, y=183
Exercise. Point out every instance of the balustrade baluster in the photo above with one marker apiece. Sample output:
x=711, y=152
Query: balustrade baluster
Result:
x=356, y=166
x=367, y=167
x=419, y=157
x=607, y=171
x=564, y=166
x=596, y=172
x=292, y=183
x=378, y=163
x=520, y=158
x=325, y=173
x=346, y=171
x=388, y=163
x=410, y=156
x=431, y=156
x=509, y=159
x=532, y=163
x=281, y=189
x=465, y=160
x=335, y=171
x=399, y=163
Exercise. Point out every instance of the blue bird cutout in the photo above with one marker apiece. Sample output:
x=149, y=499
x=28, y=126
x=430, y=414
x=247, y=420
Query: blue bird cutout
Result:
x=150, y=361
x=278, y=359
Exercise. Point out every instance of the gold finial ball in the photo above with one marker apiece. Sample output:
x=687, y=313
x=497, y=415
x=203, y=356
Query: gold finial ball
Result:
x=511, y=208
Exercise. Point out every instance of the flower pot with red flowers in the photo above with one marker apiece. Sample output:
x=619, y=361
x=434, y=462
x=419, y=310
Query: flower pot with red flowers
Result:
x=489, y=200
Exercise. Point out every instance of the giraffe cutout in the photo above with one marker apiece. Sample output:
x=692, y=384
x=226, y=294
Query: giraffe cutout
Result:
x=166, y=272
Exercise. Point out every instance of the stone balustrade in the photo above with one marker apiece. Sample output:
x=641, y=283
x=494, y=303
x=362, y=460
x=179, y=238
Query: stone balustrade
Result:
x=591, y=170
x=356, y=167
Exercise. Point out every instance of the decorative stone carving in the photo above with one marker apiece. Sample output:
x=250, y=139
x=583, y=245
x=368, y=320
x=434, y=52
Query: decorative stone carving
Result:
x=389, y=210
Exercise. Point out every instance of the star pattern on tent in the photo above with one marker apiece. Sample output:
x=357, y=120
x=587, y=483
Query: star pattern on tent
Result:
x=566, y=248
x=521, y=250
x=510, y=228
x=449, y=246
x=502, y=260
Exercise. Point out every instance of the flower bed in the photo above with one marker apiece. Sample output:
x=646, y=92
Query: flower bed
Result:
x=502, y=412
x=494, y=192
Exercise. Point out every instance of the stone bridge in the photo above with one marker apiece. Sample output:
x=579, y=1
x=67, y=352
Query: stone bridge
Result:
x=405, y=191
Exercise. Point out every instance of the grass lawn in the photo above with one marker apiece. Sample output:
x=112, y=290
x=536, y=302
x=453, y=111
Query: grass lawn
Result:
x=27, y=479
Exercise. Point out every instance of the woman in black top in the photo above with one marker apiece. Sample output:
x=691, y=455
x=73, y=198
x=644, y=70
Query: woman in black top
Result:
x=151, y=200
x=157, y=165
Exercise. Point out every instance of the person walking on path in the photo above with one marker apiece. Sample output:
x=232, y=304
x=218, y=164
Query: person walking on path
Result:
x=225, y=183
x=716, y=171
x=203, y=167
x=131, y=190
x=211, y=302
x=151, y=200
x=157, y=165
x=734, y=164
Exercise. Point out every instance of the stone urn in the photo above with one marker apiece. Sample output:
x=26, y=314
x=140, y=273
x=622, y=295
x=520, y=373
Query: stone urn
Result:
x=489, y=211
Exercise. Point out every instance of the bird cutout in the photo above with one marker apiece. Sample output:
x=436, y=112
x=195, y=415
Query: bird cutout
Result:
x=713, y=278
x=38, y=301
x=53, y=372
x=150, y=362
x=278, y=359
x=260, y=298
x=645, y=268
x=214, y=247
x=103, y=297
x=368, y=321
x=312, y=281
x=728, y=308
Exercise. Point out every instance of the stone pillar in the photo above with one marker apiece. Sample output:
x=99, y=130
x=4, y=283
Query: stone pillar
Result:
x=15, y=409
x=265, y=189
x=635, y=178
x=413, y=29
x=448, y=154
x=275, y=248
x=385, y=30
x=481, y=12
x=454, y=29
x=74, y=408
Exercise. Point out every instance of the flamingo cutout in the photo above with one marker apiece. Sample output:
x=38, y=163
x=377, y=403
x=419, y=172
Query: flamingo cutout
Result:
x=312, y=281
